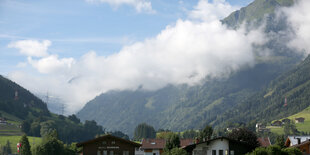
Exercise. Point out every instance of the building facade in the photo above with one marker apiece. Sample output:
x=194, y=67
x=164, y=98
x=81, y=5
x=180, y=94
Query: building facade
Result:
x=218, y=146
x=108, y=145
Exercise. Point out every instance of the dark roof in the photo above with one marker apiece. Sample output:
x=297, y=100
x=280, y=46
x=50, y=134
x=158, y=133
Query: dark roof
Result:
x=186, y=142
x=264, y=141
x=153, y=143
x=191, y=147
x=300, y=118
x=105, y=137
x=160, y=143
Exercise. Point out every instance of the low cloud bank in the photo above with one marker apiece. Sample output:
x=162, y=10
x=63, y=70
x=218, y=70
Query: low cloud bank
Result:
x=183, y=53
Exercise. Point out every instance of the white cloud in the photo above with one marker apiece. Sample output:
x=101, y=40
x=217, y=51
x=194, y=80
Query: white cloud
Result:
x=299, y=19
x=207, y=11
x=31, y=47
x=139, y=5
x=183, y=53
x=52, y=64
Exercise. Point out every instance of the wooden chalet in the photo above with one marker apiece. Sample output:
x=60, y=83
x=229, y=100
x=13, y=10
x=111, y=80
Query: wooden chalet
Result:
x=218, y=146
x=156, y=146
x=108, y=145
x=299, y=120
x=277, y=123
x=301, y=142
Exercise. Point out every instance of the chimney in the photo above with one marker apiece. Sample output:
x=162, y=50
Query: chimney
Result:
x=298, y=140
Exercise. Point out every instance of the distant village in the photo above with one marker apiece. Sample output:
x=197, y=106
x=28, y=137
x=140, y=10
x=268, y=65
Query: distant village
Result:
x=111, y=145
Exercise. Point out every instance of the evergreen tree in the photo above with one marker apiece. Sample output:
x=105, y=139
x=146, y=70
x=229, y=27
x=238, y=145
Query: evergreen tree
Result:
x=206, y=133
x=144, y=131
x=245, y=135
x=25, y=146
x=173, y=141
x=7, y=148
x=280, y=141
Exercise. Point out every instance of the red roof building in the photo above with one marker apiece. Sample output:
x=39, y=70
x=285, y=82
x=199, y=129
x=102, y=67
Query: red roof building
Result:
x=264, y=141
x=156, y=146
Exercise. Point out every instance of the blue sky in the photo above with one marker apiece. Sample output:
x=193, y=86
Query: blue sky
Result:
x=76, y=26
x=77, y=49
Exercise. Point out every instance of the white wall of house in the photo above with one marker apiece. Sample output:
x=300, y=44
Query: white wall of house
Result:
x=139, y=151
x=154, y=152
x=204, y=149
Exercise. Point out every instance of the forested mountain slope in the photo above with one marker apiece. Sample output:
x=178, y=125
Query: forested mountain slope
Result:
x=269, y=104
x=21, y=107
x=183, y=107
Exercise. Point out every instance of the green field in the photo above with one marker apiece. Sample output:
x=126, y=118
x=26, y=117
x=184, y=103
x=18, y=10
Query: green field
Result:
x=15, y=139
x=305, y=127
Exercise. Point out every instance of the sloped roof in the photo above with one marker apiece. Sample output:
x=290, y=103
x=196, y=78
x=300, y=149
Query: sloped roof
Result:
x=186, y=142
x=160, y=143
x=293, y=140
x=106, y=137
x=153, y=144
x=264, y=141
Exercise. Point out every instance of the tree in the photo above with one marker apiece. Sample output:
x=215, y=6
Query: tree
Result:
x=173, y=141
x=164, y=135
x=50, y=145
x=120, y=134
x=178, y=151
x=26, y=126
x=259, y=151
x=7, y=148
x=144, y=131
x=280, y=141
x=245, y=135
x=206, y=133
x=74, y=118
x=290, y=128
x=190, y=134
x=25, y=146
x=292, y=150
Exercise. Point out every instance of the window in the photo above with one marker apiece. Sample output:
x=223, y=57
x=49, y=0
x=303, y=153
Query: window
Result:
x=105, y=152
x=125, y=152
x=104, y=142
x=113, y=142
x=221, y=152
x=98, y=152
x=111, y=153
x=213, y=152
x=232, y=152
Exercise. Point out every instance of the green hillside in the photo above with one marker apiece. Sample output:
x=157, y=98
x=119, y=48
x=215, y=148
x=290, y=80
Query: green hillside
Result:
x=15, y=139
x=217, y=101
x=256, y=11
x=27, y=114
x=304, y=127
x=269, y=104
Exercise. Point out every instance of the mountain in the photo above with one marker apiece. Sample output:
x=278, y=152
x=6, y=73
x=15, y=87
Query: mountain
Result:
x=256, y=11
x=184, y=107
x=20, y=107
x=20, y=102
x=269, y=104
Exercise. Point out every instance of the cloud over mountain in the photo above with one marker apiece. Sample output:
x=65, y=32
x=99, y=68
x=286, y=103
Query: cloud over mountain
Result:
x=183, y=53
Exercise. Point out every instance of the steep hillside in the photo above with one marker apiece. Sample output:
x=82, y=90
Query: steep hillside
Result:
x=256, y=11
x=269, y=104
x=183, y=107
x=179, y=107
x=20, y=107
x=22, y=104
